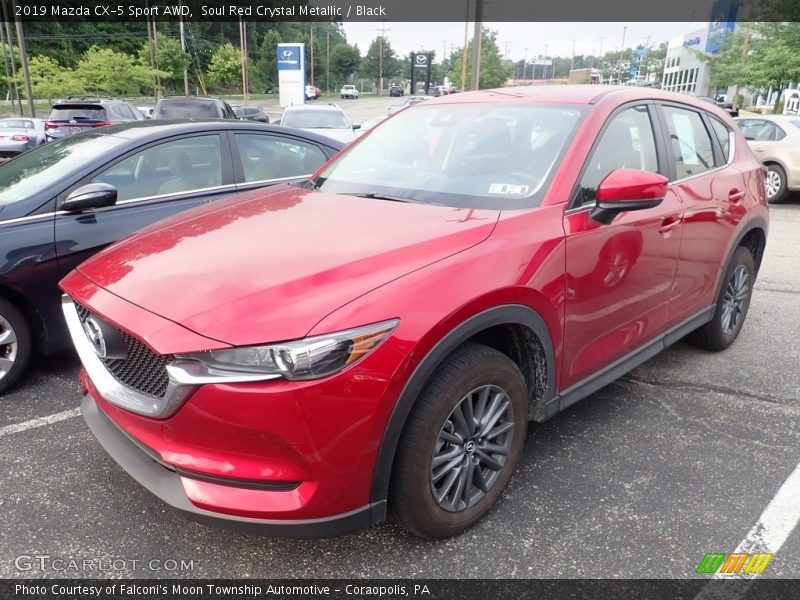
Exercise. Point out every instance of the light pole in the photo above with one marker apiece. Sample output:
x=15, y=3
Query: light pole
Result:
x=544, y=77
x=525, y=65
x=621, y=53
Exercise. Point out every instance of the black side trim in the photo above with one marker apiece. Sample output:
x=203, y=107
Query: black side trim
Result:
x=617, y=369
x=166, y=485
x=500, y=315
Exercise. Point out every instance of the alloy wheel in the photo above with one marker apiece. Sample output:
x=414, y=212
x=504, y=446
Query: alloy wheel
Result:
x=9, y=347
x=472, y=447
x=772, y=183
x=733, y=302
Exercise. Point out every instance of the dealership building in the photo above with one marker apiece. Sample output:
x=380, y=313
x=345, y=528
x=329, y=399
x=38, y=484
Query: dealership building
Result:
x=685, y=72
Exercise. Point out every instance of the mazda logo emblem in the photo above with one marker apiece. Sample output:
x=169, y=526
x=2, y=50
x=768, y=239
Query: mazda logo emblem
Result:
x=95, y=336
x=421, y=59
x=469, y=447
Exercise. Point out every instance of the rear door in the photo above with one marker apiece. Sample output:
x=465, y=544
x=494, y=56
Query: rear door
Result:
x=713, y=196
x=618, y=275
x=153, y=182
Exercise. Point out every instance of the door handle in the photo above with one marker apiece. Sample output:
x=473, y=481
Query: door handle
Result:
x=668, y=224
x=735, y=195
x=758, y=149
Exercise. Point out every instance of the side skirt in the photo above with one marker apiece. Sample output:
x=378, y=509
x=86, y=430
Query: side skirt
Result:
x=617, y=369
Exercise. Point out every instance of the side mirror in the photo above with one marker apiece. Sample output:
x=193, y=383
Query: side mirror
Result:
x=628, y=189
x=356, y=125
x=92, y=195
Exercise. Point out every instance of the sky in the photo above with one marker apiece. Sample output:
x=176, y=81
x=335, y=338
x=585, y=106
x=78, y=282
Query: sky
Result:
x=516, y=37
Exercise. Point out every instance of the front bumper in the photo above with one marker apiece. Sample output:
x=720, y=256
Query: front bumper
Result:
x=170, y=487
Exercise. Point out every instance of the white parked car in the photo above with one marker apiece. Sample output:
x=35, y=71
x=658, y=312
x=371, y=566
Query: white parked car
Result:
x=349, y=91
x=328, y=120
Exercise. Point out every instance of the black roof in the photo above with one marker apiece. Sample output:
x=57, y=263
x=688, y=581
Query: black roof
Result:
x=157, y=128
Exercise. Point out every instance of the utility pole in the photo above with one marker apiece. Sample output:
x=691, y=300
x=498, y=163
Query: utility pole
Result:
x=11, y=57
x=23, y=57
x=10, y=96
x=545, y=65
x=311, y=29
x=328, y=61
x=243, y=49
x=183, y=51
x=600, y=58
x=621, y=54
x=476, y=45
x=507, y=43
x=155, y=59
x=572, y=64
x=464, y=52
x=525, y=66
x=383, y=31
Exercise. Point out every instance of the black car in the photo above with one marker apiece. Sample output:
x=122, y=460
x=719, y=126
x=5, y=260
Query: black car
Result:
x=62, y=202
x=193, y=107
x=395, y=90
x=250, y=113
x=77, y=114
x=726, y=106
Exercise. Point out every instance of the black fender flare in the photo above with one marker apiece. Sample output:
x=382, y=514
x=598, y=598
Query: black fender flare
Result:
x=514, y=314
x=754, y=223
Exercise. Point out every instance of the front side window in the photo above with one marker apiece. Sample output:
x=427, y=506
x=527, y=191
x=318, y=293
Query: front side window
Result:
x=170, y=168
x=691, y=145
x=626, y=143
x=266, y=157
x=463, y=155
x=760, y=130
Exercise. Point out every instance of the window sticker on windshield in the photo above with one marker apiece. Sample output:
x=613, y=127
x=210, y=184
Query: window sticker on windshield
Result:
x=508, y=189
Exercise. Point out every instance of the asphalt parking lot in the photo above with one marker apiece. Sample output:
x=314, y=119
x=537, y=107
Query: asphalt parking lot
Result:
x=640, y=480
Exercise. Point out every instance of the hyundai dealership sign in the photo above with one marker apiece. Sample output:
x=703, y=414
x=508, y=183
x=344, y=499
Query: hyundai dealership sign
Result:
x=291, y=60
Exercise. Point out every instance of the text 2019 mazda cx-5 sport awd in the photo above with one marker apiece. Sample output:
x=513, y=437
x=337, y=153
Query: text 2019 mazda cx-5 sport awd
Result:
x=306, y=358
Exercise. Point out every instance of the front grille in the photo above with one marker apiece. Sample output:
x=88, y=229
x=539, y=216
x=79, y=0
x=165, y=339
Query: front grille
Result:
x=143, y=370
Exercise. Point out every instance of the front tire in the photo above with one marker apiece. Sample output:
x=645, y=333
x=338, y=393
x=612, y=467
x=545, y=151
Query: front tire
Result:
x=732, y=305
x=460, y=444
x=15, y=344
x=775, y=184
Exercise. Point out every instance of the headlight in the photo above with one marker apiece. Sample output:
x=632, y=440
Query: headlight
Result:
x=309, y=358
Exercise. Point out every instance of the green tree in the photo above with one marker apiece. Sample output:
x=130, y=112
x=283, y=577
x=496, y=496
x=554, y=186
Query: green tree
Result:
x=265, y=68
x=345, y=60
x=102, y=70
x=371, y=64
x=495, y=70
x=759, y=56
x=225, y=68
x=169, y=58
x=50, y=80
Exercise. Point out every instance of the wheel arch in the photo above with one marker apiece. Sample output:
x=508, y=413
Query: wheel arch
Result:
x=752, y=236
x=514, y=329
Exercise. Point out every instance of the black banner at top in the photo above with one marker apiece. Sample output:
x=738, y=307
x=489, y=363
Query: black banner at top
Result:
x=407, y=10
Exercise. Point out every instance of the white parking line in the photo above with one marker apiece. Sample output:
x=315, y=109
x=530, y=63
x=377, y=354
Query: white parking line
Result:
x=40, y=422
x=773, y=528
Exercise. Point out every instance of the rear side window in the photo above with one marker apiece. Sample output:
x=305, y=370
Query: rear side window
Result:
x=691, y=145
x=759, y=130
x=183, y=109
x=266, y=157
x=77, y=113
x=723, y=136
x=628, y=143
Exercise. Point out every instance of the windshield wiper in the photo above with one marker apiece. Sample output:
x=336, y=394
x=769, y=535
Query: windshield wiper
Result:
x=384, y=197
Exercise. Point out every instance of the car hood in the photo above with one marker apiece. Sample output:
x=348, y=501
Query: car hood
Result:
x=269, y=265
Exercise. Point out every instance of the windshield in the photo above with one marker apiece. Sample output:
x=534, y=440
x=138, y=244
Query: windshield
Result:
x=17, y=124
x=464, y=155
x=315, y=119
x=69, y=113
x=179, y=109
x=33, y=171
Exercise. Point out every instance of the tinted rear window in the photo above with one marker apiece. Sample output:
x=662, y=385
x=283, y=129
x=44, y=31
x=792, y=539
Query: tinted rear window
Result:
x=70, y=112
x=181, y=109
x=17, y=124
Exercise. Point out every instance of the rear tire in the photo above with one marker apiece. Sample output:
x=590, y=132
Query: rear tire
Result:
x=776, y=187
x=460, y=444
x=15, y=344
x=732, y=305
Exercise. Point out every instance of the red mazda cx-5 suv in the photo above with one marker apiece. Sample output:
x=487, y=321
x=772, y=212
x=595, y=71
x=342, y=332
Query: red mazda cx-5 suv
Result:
x=298, y=360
